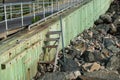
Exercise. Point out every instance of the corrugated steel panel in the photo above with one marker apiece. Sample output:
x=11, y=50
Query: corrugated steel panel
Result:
x=20, y=59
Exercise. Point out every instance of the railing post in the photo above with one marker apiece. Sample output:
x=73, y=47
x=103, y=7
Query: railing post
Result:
x=34, y=10
x=64, y=4
x=11, y=11
x=58, y=6
x=30, y=8
x=22, y=14
x=71, y=2
x=43, y=9
x=6, y=23
x=37, y=7
x=68, y=3
x=52, y=6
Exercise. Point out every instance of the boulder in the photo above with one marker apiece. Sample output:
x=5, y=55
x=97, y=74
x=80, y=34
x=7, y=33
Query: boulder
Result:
x=108, y=42
x=114, y=62
x=106, y=18
x=72, y=53
x=60, y=76
x=113, y=29
x=53, y=76
x=105, y=53
x=88, y=56
x=69, y=65
x=99, y=21
x=98, y=56
x=103, y=75
x=103, y=27
x=113, y=48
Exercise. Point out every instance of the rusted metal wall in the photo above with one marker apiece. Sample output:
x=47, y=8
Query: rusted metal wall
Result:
x=19, y=54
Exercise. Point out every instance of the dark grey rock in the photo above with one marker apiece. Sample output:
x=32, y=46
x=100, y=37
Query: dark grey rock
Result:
x=103, y=74
x=118, y=70
x=103, y=27
x=114, y=62
x=61, y=75
x=113, y=48
x=88, y=56
x=97, y=56
x=106, y=18
x=69, y=65
x=108, y=42
x=53, y=76
x=72, y=53
x=99, y=21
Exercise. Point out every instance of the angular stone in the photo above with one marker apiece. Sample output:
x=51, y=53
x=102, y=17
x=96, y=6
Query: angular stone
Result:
x=114, y=62
x=60, y=76
x=90, y=33
x=87, y=78
x=103, y=27
x=113, y=48
x=87, y=66
x=88, y=56
x=105, y=53
x=102, y=67
x=106, y=18
x=113, y=28
x=99, y=21
x=81, y=47
x=91, y=48
x=108, y=42
x=118, y=70
x=95, y=67
x=117, y=20
x=69, y=65
x=98, y=56
x=53, y=76
x=72, y=75
x=72, y=53
x=86, y=35
x=103, y=74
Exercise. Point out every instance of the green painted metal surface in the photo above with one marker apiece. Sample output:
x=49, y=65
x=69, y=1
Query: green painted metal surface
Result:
x=19, y=55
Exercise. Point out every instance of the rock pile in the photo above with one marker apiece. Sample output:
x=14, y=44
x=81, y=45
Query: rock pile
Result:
x=93, y=54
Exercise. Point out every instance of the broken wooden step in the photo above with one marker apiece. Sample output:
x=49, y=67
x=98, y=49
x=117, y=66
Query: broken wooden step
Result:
x=46, y=62
x=53, y=32
x=52, y=39
x=51, y=46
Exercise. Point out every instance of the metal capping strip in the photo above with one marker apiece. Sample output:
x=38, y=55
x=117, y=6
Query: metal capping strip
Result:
x=17, y=57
